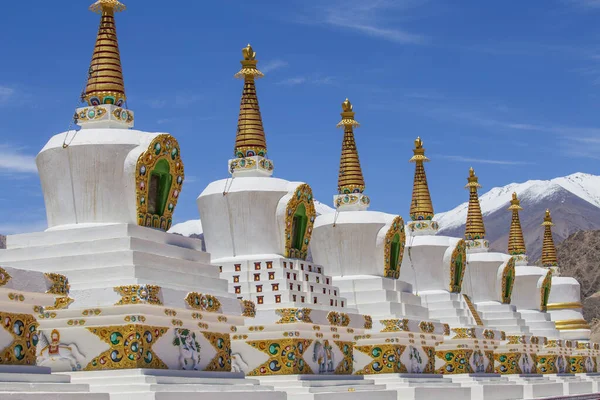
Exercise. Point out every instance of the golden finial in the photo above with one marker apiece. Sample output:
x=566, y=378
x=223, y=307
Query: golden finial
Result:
x=419, y=151
x=250, y=138
x=474, y=228
x=420, y=206
x=249, y=70
x=248, y=53
x=516, y=243
x=347, y=106
x=350, y=178
x=105, y=81
x=347, y=115
x=101, y=5
x=515, y=203
x=473, y=181
x=549, y=258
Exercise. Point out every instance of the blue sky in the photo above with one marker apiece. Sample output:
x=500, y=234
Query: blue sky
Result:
x=509, y=87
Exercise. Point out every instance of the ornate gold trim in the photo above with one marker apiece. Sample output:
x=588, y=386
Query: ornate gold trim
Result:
x=4, y=277
x=560, y=306
x=338, y=319
x=61, y=303
x=302, y=195
x=130, y=347
x=286, y=357
x=397, y=228
x=546, y=283
x=566, y=324
x=459, y=254
x=138, y=294
x=60, y=284
x=294, y=315
x=395, y=325
x=510, y=267
x=23, y=330
x=248, y=308
x=162, y=147
x=204, y=302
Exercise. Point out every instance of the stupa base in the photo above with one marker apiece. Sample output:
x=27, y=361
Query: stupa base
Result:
x=155, y=384
x=490, y=386
x=36, y=383
x=536, y=386
x=423, y=386
x=329, y=387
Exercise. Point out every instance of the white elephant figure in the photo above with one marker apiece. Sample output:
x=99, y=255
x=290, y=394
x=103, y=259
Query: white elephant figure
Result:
x=238, y=364
x=323, y=356
x=52, y=351
x=479, y=361
x=589, y=364
x=189, y=349
x=526, y=368
x=416, y=361
x=560, y=364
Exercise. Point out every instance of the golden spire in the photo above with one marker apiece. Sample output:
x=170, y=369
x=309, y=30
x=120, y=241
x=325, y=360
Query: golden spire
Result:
x=475, y=228
x=420, y=206
x=250, y=138
x=516, y=243
x=548, y=250
x=105, y=81
x=350, y=179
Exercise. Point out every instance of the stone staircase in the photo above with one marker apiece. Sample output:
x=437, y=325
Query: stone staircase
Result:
x=449, y=308
x=540, y=324
x=381, y=297
x=503, y=317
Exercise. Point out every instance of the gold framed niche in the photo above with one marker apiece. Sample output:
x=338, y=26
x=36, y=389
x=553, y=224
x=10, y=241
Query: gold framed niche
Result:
x=393, y=251
x=159, y=179
x=508, y=280
x=458, y=264
x=545, y=291
x=300, y=217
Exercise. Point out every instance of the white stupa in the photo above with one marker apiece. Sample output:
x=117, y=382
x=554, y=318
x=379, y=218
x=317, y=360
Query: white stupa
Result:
x=147, y=311
x=490, y=276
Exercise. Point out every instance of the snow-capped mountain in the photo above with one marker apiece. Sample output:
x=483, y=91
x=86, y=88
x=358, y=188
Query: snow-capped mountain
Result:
x=574, y=201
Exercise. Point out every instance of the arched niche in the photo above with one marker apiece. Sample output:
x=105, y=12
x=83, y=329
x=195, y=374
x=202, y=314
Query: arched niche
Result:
x=159, y=178
x=508, y=280
x=393, y=252
x=458, y=263
x=300, y=216
x=545, y=288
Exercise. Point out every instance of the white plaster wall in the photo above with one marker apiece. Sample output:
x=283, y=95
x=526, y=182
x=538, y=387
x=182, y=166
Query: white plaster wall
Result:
x=354, y=246
x=245, y=221
x=526, y=291
x=565, y=290
x=427, y=270
x=482, y=276
x=102, y=188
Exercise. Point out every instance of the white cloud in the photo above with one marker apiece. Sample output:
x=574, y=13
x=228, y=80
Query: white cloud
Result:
x=6, y=94
x=585, y=3
x=12, y=160
x=272, y=65
x=372, y=18
x=327, y=80
x=482, y=160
